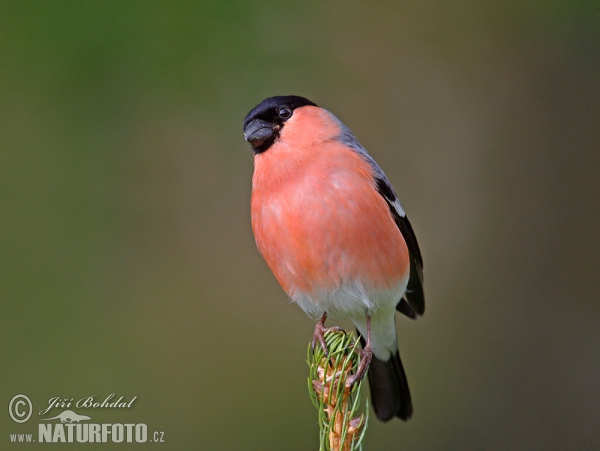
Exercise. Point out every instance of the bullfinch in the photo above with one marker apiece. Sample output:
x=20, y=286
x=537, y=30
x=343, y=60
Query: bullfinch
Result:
x=332, y=231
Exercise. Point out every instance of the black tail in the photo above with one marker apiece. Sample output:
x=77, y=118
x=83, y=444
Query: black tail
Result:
x=389, y=388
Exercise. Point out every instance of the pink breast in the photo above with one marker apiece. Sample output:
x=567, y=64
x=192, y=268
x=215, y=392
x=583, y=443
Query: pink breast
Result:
x=319, y=221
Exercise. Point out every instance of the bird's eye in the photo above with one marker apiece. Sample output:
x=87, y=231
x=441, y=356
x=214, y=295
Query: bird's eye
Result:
x=284, y=112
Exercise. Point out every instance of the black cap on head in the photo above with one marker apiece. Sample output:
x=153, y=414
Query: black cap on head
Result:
x=263, y=122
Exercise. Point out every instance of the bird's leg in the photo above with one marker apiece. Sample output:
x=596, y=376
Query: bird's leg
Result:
x=366, y=354
x=319, y=334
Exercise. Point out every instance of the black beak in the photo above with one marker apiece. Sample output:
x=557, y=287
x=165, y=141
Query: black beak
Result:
x=257, y=132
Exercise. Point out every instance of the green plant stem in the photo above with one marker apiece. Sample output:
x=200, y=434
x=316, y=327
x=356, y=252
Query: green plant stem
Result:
x=342, y=428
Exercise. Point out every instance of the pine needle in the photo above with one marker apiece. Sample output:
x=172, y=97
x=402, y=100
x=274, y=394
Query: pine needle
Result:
x=341, y=427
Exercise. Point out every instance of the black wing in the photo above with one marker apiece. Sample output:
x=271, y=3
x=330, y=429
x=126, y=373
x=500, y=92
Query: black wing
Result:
x=412, y=303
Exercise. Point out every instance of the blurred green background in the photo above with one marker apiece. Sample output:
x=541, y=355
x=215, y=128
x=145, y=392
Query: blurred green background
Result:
x=127, y=261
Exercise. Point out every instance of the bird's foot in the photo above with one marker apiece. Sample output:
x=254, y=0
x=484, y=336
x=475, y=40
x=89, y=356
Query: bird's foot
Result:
x=366, y=354
x=319, y=334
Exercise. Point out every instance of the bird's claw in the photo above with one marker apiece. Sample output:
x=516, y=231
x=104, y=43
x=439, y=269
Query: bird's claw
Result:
x=319, y=336
x=366, y=355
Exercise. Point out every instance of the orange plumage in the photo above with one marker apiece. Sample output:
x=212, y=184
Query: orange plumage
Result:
x=316, y=215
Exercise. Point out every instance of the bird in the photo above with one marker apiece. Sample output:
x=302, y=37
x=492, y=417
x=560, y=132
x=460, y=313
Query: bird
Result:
x=331, y=229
